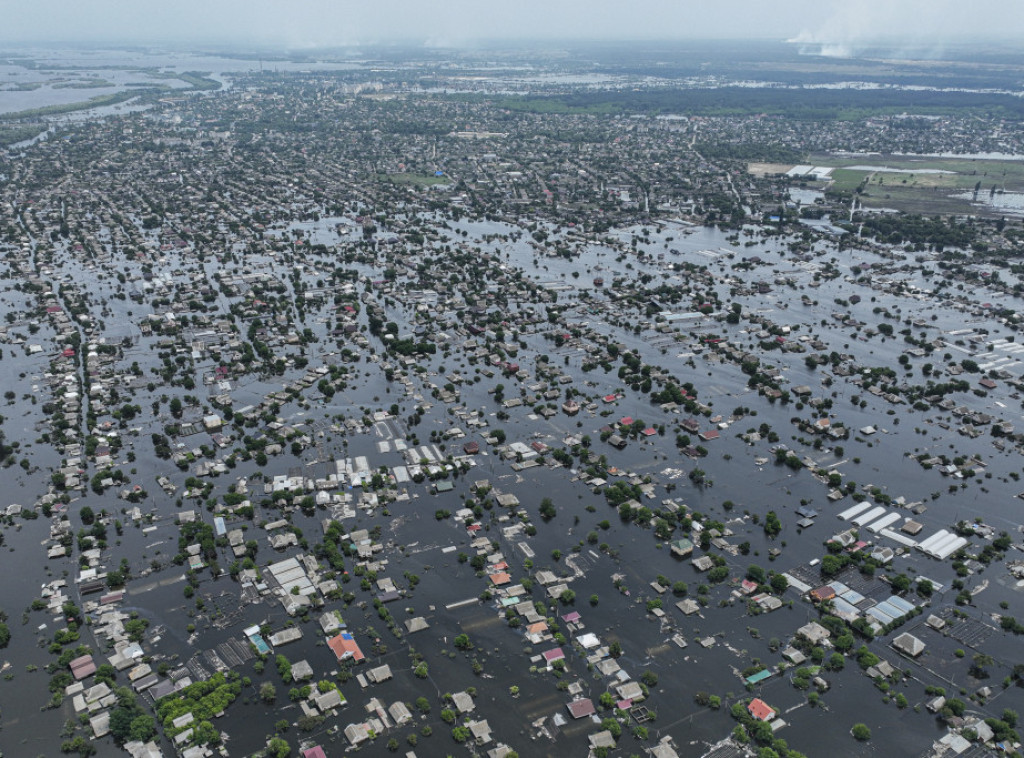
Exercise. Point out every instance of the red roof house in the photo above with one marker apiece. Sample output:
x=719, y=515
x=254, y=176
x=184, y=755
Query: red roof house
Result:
x=82, y=667
x=581, y=708
x=555, y=654
x=760, y=710
x=345, y=646
x=821, y=594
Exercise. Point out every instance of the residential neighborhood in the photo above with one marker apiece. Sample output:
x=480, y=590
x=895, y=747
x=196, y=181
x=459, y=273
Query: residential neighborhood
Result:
x=404, y=405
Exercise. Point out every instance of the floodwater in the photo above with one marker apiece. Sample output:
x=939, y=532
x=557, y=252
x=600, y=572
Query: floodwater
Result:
x=891, y=170
x=415, y=541
x=122, y=68
x=1007, y=202
x=805, y=196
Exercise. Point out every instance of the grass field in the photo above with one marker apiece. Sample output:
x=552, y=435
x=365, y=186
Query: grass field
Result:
x=921, y=184
x=846, y=180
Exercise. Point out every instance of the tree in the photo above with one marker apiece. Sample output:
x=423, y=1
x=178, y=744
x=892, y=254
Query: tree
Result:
x=128, y=721
x=762, y=732
x=978, y=664
x=832, y=565
x=900, y=583
x=844, y=643
x=106, y=674
x=462, y=642
x=284, y=668
x=309, y=723
x=547, y=509
x=143, y=728
x=78, y=745
x=115, y=579
x=278, y=748
x=718, y=574
x=865, y=658
x=861, y=732
x=268, y=692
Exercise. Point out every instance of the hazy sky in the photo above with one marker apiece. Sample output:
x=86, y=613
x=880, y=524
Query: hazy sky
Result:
x=312, y=23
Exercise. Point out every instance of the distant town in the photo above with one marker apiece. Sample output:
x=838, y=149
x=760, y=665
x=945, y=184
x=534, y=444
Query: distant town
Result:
x=510, y=404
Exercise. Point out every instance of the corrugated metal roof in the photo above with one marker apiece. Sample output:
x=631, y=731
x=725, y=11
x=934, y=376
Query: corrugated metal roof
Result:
x=880, y=614
x=900, y=603
x=852, y=596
